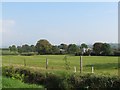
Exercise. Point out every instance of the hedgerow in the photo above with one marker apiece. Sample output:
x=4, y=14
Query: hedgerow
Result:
x=63, y=82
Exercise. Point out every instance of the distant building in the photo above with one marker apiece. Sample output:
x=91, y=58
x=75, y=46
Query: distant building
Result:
x=84, y=50
x=62, y=51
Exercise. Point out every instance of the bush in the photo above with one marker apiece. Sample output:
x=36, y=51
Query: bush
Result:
x=24, y=74
x=116, y=53
x=63, y=82
x=94, y=82
x=52, y=81
x=9, y=53
x=28, y=53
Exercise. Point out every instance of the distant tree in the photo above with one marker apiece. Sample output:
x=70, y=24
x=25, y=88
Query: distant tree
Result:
x=10, y=48
x=55, y=50
x=106, y=49
x=72, y=49
x=33, y=49
x=26, y=48
x=43, y=47
x=83, y=45
x=13, y=48
x=83, y=48
x=97, y=48
x=19, y=49
x=102, y=49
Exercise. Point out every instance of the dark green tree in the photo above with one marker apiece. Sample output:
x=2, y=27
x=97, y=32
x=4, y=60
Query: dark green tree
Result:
x=26, y=48
x=83, y=45
x=19, y=49
x=13, y=48
x=43, y=47
x=83, y=48
x=33, y=49
x=72, y=49
x=97, y=48
x=55, y=50
x=106, y=49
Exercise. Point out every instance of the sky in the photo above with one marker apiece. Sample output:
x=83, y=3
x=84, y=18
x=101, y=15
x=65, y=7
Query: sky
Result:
x=70, y=22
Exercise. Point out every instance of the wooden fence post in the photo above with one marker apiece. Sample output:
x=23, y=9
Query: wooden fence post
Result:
x=46, y=63
x=74, y=69
x=81, y=64
x=92, y=69
x=24, y=62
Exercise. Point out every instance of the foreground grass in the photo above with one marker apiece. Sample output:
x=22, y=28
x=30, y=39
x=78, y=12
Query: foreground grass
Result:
x=13, y=83
x=102, y=64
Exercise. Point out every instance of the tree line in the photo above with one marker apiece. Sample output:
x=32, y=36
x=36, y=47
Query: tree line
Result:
x=43, y=47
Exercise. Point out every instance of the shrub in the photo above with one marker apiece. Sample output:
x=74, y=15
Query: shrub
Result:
x=28, y=53
x=9, y=53
x=63, y=82
x=116, y=53
x=52, y=81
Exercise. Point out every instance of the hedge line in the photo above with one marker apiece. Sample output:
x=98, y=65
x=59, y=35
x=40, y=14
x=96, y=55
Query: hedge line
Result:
x=63, y=82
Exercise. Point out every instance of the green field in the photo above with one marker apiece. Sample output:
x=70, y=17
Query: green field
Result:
x=102, y=64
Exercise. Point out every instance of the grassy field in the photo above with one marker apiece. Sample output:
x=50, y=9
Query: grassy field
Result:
x=13, y=83
x=102, y=64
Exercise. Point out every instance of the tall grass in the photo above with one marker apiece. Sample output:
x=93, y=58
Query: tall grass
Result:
x=13, y=83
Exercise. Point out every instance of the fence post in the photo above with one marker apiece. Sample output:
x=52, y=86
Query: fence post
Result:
x=81, y=64
x=74, y=69
x=92, y=69
x=46, y=63
x=24, y=62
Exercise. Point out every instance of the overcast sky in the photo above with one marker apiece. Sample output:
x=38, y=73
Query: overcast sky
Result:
x=26, y=23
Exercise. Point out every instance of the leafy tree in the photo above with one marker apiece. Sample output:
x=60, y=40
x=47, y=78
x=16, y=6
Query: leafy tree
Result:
x=83, y=48
x=83, y=45
x=72, y=48
x=97, y=48
x=13, y=48
x=106, y=49
x=102, y=49
x=10, y=48
x=43, y=47
x=33, y=49
x=19, y=49
x=26, y=48
x=55, y=50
